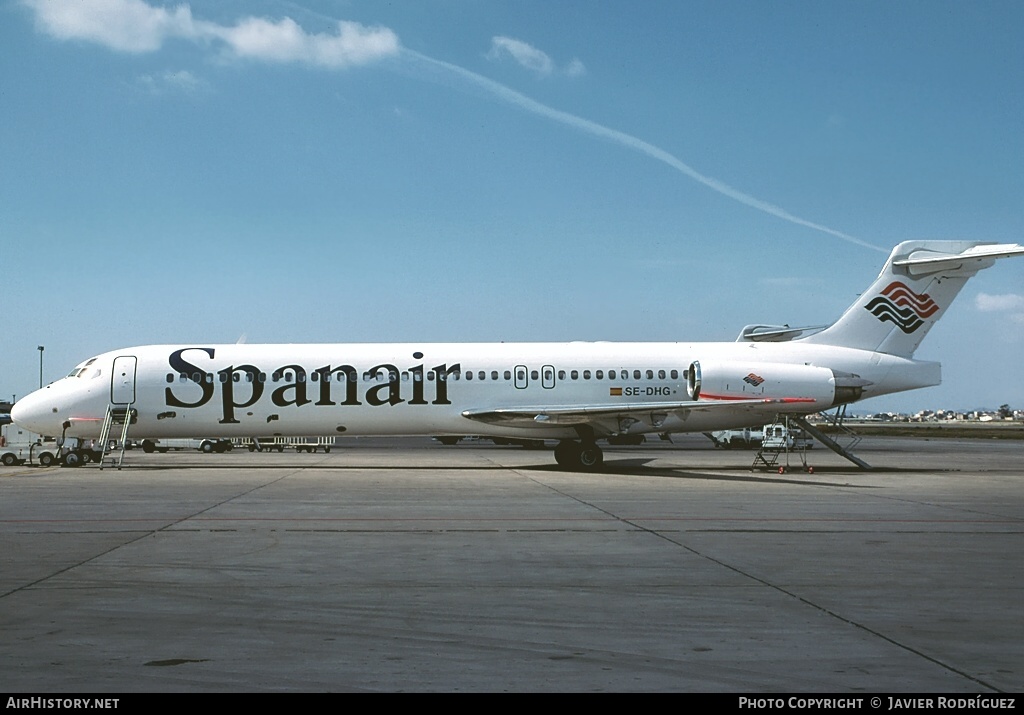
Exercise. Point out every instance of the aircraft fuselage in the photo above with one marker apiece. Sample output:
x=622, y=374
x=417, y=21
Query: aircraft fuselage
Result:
x=410, y=389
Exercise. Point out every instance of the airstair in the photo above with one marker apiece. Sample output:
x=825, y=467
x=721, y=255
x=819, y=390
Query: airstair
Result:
x=841, y=431
x=117, y=416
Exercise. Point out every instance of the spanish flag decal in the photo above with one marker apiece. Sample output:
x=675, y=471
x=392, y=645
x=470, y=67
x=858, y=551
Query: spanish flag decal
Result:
x=615, y=391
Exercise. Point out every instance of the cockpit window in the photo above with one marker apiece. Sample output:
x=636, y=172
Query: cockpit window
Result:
x=80, y=370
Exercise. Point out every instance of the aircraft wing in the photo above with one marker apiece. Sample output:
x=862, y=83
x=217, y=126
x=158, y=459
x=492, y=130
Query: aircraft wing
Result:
x=612, y=419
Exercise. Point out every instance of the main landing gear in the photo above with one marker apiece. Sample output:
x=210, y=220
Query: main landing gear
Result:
x=583, y=456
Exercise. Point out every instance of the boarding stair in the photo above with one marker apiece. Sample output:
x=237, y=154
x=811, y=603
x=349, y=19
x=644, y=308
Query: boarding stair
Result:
x=117, y=416
x=841, y=432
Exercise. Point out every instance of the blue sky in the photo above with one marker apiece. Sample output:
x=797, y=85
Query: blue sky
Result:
x=462, y=170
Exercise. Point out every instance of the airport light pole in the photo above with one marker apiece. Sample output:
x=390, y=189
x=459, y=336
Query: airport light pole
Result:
x=40, y=348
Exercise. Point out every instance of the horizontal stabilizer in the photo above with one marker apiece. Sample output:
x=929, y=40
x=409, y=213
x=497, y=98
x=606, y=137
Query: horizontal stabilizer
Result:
x=922, y=262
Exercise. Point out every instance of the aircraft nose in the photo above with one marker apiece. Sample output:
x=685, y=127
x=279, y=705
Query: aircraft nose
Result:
x=37, y=413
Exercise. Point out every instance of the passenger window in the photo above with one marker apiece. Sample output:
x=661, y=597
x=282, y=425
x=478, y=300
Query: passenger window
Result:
x=586, y=374
x=674, y=374
x=508, y=374
x=611, y=374
x=533, y=374
x=469, y=374
x=561, y=374
x=661, y=374
x=650, y=374
x=170, y=377
x=494, y=374
x=599, y=374
x=636, y=374
x=481, y=375
x=575, y=374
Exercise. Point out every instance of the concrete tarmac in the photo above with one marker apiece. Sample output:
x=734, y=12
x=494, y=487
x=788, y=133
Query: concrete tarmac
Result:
x=404, y=565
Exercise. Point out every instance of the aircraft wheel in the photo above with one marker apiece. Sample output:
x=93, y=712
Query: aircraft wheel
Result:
x=567, y=453
x=590, y=457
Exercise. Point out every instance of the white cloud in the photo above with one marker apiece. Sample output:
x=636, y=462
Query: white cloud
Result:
x=575, y=68
x=1010, y=303
x=530, y=57
x=999, y=303
x=285, y=41
x=124, y=25
x=135, y=26
x=180, y=81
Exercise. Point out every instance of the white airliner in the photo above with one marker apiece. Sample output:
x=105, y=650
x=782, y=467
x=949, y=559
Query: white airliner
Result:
x=576, y=393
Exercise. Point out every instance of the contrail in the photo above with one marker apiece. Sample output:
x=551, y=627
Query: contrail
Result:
x=523, y=102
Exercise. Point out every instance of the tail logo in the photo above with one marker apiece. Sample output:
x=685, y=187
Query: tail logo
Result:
x=902, y=306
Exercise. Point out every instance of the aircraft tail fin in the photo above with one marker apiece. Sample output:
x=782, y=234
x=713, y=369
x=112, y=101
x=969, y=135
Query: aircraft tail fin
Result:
x=917, y=284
